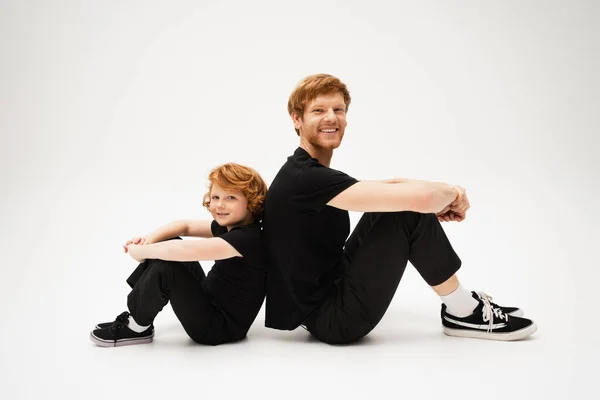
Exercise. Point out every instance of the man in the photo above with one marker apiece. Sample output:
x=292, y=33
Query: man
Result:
x=339, y=290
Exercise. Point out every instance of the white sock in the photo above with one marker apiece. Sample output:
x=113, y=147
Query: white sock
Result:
x=460, y=303
x=134, y=326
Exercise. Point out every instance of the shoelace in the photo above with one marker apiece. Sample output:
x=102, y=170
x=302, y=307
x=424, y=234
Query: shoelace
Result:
x=121, y=321
x=123, y=317
x=483, y=295
x=489, y=312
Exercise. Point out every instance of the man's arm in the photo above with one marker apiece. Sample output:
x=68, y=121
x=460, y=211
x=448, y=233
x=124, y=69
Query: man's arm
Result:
x=185, y=250
x=411, y=195
x=397, y=180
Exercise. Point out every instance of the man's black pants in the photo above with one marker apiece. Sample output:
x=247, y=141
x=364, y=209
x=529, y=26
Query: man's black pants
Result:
x=375, y=257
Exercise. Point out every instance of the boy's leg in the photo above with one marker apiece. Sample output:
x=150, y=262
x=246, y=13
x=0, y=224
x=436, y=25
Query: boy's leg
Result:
x=157, y=283
x=181, y=283
x=137, y=274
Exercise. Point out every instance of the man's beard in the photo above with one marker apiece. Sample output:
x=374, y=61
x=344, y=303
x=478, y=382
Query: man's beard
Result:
x=325, y=145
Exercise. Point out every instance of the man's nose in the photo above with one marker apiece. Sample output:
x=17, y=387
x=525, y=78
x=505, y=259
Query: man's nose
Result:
x=330, y=115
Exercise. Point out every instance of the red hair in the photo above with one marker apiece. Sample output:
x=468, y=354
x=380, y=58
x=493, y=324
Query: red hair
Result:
x=236, y=177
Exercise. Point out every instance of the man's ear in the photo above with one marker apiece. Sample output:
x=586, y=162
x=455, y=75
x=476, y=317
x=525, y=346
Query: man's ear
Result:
x=297, y=120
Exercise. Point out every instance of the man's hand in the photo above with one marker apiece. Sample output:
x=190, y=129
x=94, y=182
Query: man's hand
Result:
x=136, y=252
x=457, y=210
x=135, y=240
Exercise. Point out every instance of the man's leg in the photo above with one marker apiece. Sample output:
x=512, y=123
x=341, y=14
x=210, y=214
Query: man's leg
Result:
x=378, y=251
x=447, y=287
x=376, y=256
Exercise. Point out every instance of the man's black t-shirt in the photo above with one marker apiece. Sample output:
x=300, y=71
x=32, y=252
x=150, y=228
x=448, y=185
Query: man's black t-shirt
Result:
x=237, y=284
x=305, y=238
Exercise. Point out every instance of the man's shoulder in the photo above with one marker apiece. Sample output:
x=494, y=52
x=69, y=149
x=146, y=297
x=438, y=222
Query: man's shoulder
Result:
x=289, y=171
x=299, y=160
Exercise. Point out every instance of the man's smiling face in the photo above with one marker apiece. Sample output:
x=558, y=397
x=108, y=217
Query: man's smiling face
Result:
x=323, y=123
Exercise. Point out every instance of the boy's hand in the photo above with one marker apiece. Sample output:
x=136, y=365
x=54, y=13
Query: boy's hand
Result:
x=135, y=240
x=136, y=252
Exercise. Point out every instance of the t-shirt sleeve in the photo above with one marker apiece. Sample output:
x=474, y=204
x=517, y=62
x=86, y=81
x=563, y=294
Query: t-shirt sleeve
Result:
x=244, y=240
x=316, y=185
x=216, y=229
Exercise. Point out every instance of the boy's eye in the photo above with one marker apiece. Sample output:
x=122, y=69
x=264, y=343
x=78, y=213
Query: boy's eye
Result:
x=230, y=198
x=215, y=197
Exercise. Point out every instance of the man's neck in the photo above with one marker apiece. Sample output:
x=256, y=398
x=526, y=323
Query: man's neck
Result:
x=322, y=155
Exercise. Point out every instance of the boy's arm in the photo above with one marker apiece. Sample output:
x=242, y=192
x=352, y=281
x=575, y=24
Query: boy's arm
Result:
x=196, y=228
x=185, y=250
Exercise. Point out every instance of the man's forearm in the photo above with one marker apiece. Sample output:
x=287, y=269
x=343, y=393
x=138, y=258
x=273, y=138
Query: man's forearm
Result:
x=442, y=194
x=393, y=180
x=403, y=180
x=168, y=231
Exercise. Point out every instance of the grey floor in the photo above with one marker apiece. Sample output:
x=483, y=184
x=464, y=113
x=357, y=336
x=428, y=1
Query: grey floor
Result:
x=46, y=352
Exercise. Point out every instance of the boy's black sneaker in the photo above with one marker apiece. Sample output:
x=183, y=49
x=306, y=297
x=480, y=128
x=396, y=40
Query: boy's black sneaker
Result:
x=123, y=317
x=119, y=334
x=514, y=311
x=487, y=322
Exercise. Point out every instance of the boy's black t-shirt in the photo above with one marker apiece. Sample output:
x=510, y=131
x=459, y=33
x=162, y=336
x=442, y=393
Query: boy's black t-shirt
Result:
x=237, y=284
x=304, y=238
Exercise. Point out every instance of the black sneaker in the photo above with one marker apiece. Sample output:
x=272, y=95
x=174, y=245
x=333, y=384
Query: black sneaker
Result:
x=123, y=317
x=119, y=334
x=514, y=311
x=487, y=322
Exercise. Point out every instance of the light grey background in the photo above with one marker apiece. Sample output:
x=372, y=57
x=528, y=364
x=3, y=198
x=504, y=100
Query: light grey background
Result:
x=112, y=113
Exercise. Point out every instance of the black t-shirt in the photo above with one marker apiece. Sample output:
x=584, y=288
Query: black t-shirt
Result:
x=237, y=284
x=305, y=238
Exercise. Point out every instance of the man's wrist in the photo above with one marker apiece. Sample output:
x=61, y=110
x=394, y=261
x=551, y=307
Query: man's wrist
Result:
x=456, y=192
x=451, y=192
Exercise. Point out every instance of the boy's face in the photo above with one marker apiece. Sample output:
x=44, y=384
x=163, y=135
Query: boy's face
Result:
x=323, y=122
x=228, y=208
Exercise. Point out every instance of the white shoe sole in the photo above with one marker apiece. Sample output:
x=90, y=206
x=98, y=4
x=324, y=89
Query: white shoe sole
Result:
x=122, y=342
x=508, y=336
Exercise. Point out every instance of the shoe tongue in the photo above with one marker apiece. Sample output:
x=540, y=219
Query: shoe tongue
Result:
x=123, y=318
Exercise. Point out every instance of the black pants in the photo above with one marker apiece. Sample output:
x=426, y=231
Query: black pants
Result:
x=375, y=257
x=156, y=282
